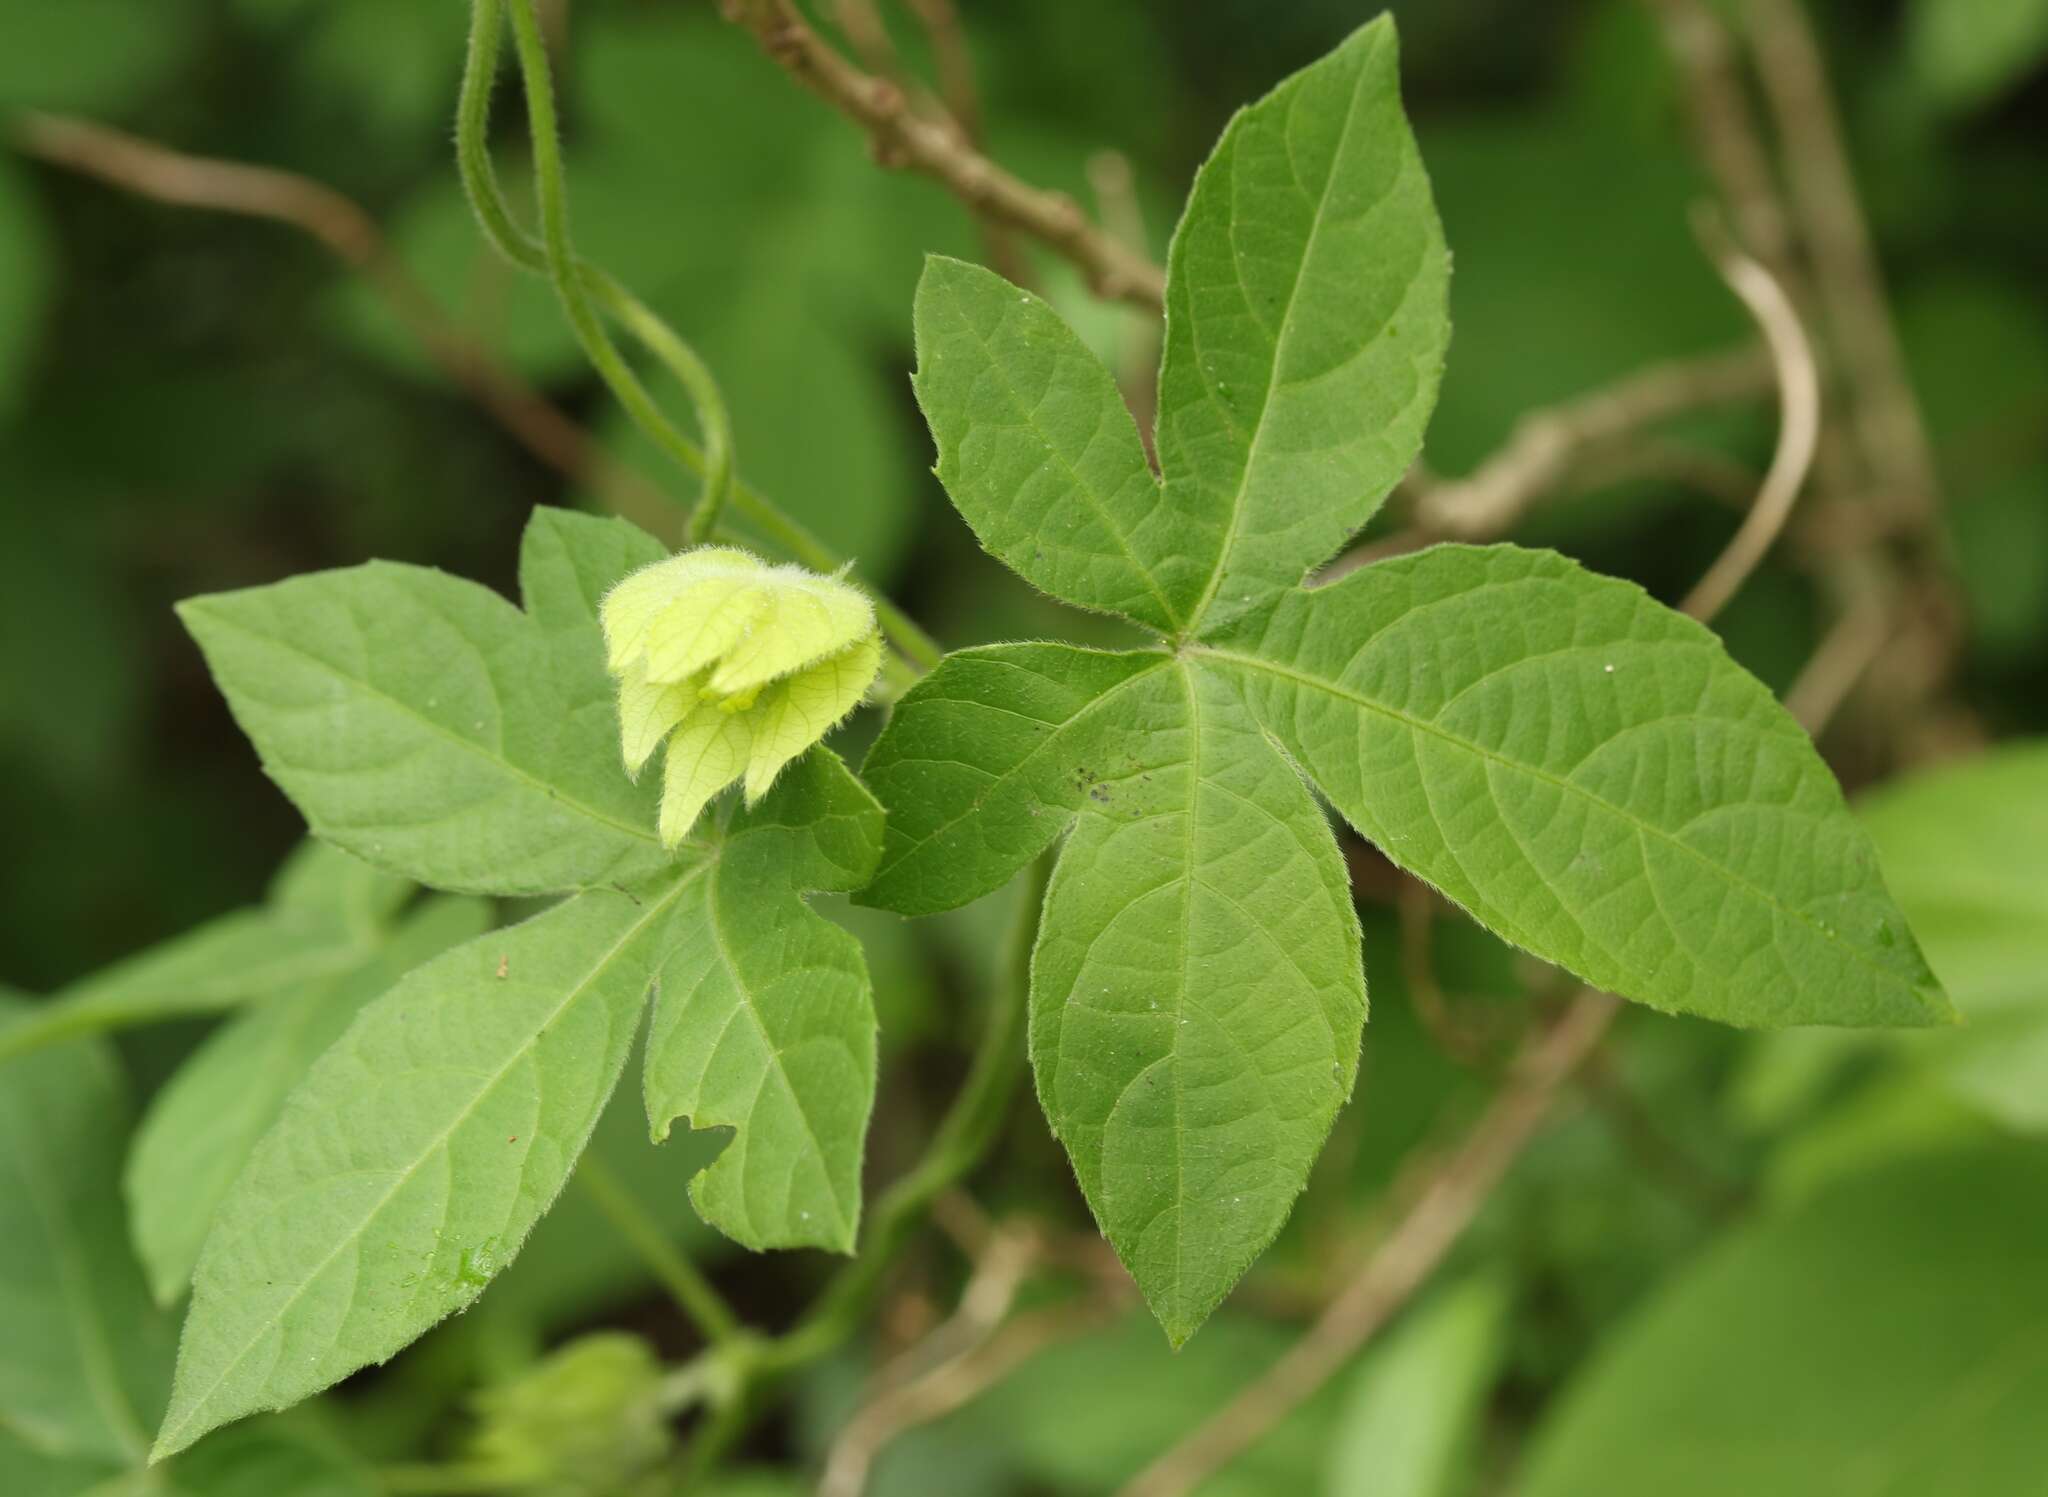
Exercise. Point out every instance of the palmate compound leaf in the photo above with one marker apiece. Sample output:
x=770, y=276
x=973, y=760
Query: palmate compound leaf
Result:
x=431, y=728
x=1196, y=990
x=765, y=1021
x=1661, y=828
x=417, y=1154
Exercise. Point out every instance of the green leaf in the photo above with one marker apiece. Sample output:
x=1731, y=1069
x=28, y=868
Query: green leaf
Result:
x=982, y=765
x=1966, y=53
x=321, y=920
x=1890, y=1337
x=428, y=726
x=202, y=1127
x=1965, y=850
x=1038, y=451
x=568, y=561
x=1418, y=1401
x=325, y=881
x=1305, y=325
x=1196, y=995
x=83, y=1358
x=765, y=1022
x=416, y=1156
x=1590, y=775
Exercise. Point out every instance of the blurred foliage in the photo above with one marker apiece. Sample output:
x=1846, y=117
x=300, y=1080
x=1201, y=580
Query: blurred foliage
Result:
x=190, y=402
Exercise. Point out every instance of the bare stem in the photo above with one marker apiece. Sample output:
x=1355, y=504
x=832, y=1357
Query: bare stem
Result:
x=1823, y=200
x=342, y=226
x=1798, y=426
x=902, y=138
x=1548, y=445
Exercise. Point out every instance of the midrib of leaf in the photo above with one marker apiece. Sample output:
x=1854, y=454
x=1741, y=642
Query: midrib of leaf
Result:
x=1043, y=746
x=1180, y=1003
x=552, y=792
x=94, y=1337
x=198, y=1404
x=724, y=948
x=995, y=366
x=1565, y=786
x=1251, y=454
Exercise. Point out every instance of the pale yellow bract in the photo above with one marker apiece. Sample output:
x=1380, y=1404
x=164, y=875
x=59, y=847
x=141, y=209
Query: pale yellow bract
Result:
x=738, y=666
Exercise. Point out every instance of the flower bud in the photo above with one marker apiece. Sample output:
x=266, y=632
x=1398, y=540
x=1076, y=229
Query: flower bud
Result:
x=736, y=665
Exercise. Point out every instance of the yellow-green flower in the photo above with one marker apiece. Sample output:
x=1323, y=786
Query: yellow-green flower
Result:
x=738, y=665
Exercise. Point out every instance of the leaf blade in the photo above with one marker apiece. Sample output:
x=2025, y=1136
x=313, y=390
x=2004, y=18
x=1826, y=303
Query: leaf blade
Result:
x=1038, y=452
x=425, y=725
x=1890, y=1335
x=201, y=1128
x=1306, y=325
x=534, y=1024
x=320, y=918
x=765, y=1022
x=82, y=1364
x=1197, y=994
x=978, y=766
x=1665, y=811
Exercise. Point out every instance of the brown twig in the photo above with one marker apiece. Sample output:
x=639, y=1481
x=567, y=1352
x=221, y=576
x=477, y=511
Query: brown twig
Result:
x=1548, y=444
x=958, y=1360
x=1849, y=649
x=868, y=34
x=953, y=62
x=1724, y=127
x=343, y=227
x=902, y=139
x=1136, y=360
x=1798, y=379
x=1824, y=201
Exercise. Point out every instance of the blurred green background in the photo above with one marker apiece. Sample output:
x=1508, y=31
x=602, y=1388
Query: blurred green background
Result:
x=192, y=401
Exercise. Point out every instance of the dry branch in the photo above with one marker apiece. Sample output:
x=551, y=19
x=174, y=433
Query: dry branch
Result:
x=901, y=138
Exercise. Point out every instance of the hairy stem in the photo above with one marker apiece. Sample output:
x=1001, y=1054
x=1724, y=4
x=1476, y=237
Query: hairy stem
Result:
x=582, y=288
x=583, y=285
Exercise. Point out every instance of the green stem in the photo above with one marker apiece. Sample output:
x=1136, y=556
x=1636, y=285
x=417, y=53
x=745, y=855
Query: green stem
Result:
x=582, y=287
x=964, y=1138
x=585, y=283
x=692, y=1292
